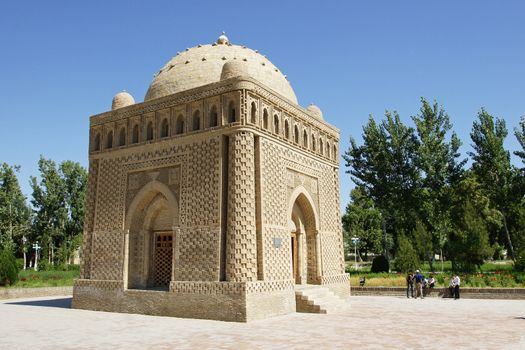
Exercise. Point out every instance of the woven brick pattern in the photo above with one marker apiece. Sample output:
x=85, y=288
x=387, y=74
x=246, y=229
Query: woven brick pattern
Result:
x=107, y=260
x=333, y=259
x=241, y=259
x=198, y=254
x=89, y=218
x=277, y=260
x=207, y=288
x=109, y=196
x=273, y=186
x=202, y=208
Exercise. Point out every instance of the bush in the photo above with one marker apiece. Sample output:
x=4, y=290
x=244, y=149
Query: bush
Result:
x=519, y=265
x=380, y=264
x=406, y=258
x=20, y=264
x=8, y=268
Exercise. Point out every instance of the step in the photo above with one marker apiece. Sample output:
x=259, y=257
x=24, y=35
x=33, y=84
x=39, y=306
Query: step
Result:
x=318, y=299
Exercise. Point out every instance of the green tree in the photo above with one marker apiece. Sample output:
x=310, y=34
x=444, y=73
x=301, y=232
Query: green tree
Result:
x=423, y=242
x=363, y=220
x=14, y=212
x=519, y=132
x=58, y=204
x=519, y=206
x=75, y=183
x=439, y=166
x=406, y=258
x=50, y=208
x=491, y=165
x=8, y=268
x=384, y=167
x=472, y=216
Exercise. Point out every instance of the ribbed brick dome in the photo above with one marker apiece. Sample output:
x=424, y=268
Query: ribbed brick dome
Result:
x=203, y=64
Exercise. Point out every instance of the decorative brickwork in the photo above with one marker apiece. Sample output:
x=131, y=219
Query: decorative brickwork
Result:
x=107, y=258
x=85, y=262
x=251, y=209
x=203, y=187
x=198, y=254
x=241, y=244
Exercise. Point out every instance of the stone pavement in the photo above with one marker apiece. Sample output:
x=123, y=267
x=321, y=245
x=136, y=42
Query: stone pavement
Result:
x=370, y=323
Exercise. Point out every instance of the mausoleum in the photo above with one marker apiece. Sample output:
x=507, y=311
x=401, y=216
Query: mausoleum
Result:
x=217, y=197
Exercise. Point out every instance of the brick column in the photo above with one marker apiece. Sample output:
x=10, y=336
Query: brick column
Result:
x=241, y=246
x=89, y=218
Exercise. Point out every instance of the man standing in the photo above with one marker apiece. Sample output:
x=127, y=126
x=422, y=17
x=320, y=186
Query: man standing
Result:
x=419, y=284
x=456, y=283
x=410, y=284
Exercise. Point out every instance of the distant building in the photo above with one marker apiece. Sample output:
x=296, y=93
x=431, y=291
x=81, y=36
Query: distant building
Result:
x=217, y=197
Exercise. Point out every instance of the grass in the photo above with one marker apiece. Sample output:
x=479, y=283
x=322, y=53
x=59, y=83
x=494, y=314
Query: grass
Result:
x=492, y=275
x=38, y=279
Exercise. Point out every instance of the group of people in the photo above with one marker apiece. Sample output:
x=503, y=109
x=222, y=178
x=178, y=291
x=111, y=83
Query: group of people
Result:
x=424, y=286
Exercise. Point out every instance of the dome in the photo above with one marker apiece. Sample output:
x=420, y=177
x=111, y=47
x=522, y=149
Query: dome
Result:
x=235, y=68
x=122, y=99
x=316, y=111
x=203, y=64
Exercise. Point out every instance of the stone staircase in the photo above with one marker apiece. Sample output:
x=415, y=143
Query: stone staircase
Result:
x=318, y=299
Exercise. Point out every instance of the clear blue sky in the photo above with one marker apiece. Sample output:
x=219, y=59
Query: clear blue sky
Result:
x=62, y=61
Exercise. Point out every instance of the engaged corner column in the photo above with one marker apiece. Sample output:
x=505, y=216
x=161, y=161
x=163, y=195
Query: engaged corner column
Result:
x=241, y=246
x=175, y=252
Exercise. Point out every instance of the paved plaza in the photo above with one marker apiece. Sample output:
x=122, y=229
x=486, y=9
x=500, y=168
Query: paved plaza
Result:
x=370, y=323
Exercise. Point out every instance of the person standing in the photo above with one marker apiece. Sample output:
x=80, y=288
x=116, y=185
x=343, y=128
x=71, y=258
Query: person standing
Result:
x=419, y=284
x=451, y=286
x=456, y=283
x=430, y=284
x=410, y=284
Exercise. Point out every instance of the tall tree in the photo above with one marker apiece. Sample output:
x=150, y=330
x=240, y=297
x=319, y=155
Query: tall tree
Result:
x=519, y=132
x=519, y=206
x=363, y=220
x=75, y=183
x=384, y=166
x=58, y=204
x=50, y=208
x=439, y=166
x=472, y=216
x=491, y=165
x=14, y=212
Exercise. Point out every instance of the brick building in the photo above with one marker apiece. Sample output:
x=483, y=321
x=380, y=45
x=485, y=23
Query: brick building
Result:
x=217, y=197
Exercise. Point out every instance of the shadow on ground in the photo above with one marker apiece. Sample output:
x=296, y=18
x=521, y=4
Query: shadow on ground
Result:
x=63, y=303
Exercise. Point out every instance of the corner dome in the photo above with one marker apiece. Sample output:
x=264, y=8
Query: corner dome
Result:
x=315, y=111
x=122, y=99
x=233, y=69
x=206, y=64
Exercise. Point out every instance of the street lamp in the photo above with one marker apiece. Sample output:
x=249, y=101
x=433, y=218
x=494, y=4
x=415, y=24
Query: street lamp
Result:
x=36, y=247
x=24, y=249
x=355, y=241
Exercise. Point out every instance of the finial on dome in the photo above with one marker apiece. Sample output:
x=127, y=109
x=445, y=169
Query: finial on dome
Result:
x=223, y=39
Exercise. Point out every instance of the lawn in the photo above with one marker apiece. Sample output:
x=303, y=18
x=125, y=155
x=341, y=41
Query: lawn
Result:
x=492, y=275
x=37, y=279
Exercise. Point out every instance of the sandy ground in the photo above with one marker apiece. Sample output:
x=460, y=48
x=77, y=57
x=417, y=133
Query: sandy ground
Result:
x=371, y=323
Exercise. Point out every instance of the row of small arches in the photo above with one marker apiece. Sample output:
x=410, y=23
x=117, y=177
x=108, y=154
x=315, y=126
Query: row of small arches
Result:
x=307, y=142
x=196, y=124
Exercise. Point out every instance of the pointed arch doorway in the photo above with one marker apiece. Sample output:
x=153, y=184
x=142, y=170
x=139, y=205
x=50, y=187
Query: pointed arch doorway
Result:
x=151, y=240
x=304, y=240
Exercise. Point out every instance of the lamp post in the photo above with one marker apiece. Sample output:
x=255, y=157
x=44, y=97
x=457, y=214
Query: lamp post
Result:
x=36, y=247
x=24, y=249
x=355, y=241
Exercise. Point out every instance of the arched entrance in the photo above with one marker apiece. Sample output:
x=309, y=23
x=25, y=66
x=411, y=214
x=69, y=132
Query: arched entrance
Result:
x=304, y=242
x=150, y=220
